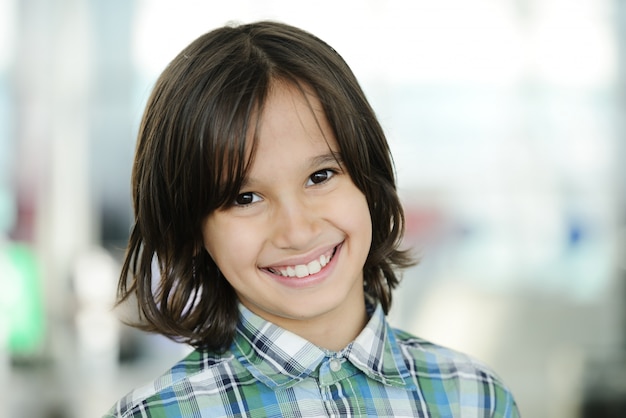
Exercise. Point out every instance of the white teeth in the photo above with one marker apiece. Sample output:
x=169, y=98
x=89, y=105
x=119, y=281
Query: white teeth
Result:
x=314, y=267
x=303, y=270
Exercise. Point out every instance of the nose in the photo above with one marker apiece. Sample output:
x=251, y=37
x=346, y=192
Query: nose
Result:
x=295, y=223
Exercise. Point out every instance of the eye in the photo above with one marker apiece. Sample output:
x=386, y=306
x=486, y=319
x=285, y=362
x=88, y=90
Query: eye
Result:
x=246, y=199
x=320, y=177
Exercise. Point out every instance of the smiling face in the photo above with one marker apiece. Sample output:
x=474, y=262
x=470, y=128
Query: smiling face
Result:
x=294, y=242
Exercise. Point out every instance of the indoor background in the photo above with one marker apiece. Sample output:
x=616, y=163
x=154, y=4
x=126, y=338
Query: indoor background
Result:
x=506, y=120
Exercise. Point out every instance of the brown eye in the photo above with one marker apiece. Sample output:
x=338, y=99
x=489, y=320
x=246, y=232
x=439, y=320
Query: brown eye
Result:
x=320, y=176
x=246, y=199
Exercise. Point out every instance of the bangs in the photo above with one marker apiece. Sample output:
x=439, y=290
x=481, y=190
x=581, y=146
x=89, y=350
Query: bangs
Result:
x=227, y=138
x=229, y=154
x=233, y=143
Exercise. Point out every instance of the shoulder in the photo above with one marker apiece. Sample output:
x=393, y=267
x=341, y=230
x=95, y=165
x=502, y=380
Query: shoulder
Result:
x=420, y=352
x=457, y=375
x=176, y=386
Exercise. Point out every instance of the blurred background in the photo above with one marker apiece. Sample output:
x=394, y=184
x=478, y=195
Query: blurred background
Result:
x=506, y=119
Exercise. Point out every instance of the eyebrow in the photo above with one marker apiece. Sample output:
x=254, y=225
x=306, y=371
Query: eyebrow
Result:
x=332, y=157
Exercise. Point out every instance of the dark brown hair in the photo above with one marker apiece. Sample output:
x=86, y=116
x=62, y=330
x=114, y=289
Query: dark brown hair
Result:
x=191, y=159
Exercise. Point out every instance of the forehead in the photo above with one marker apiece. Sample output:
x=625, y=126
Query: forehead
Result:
x=288, y=114
x=291, y=113
x=291, y=126
x=293, y=108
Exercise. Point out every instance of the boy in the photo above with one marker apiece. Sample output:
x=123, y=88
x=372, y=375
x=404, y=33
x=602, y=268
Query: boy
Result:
x=264, y=187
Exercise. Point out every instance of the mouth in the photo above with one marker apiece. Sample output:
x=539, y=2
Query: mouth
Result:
x=303, y=270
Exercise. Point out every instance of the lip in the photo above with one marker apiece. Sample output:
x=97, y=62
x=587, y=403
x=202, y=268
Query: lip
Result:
x=310, y=280
x=304, y=259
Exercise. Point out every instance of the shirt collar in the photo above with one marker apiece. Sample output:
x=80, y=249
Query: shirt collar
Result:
x=280, y=358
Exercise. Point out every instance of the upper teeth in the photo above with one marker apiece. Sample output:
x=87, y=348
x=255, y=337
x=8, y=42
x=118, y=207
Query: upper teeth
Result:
x=303, y=270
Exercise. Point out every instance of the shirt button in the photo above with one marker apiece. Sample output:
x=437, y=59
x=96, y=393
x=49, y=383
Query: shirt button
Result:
x=335, y=365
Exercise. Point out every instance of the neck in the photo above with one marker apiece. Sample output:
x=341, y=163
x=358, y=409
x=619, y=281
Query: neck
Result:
x=332, y=330
x=333, y=334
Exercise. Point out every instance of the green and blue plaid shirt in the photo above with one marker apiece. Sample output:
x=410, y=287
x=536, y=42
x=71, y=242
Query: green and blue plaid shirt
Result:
x=271, y=372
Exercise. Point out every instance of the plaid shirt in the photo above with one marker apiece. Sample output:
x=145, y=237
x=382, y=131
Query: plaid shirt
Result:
x=270, y=372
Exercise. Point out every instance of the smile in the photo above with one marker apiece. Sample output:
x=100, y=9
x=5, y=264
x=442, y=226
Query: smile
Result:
x=304, y=270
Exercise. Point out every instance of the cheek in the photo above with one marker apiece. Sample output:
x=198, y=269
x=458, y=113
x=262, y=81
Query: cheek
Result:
x=360, y=208
x=229, y=243
x=355, y=215
x=215, y=236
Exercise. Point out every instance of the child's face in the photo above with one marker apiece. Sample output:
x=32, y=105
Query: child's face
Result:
x=294, y=243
